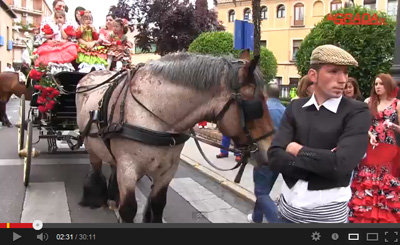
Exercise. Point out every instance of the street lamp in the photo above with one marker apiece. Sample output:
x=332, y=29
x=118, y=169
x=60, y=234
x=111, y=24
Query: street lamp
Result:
x=395, y=70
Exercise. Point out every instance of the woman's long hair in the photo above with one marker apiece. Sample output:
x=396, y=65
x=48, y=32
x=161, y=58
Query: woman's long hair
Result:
x=390, y=88
x=302, y=87
x=357, y=93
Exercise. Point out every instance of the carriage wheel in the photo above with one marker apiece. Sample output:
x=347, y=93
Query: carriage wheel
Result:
x=21, y=128
x=28, y=157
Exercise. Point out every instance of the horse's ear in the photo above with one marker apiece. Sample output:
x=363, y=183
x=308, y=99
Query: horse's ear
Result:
x=245, y=55
x=253, y=64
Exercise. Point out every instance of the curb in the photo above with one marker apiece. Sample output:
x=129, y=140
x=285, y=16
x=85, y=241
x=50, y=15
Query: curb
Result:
x=237, y=189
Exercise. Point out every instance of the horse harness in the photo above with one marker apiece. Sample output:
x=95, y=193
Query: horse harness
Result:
x=107, y=129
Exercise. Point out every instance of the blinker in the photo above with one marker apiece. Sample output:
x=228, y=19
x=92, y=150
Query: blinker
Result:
x=252, y=109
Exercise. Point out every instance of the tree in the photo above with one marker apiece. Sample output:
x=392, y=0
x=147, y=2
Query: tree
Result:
x=256, y=21
x=371, y=45
x=221, y=43
x=123, y=10
x=171, y=24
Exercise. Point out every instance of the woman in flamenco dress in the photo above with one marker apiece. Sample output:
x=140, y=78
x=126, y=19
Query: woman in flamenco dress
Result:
x=376, y=185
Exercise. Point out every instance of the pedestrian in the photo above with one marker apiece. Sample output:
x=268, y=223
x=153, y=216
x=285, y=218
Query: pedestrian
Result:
x=376, y=187
x=319, y=143
x=305, y=88
x=352, y=90
x=226, y=142
x=263, y=177
x=9, y=68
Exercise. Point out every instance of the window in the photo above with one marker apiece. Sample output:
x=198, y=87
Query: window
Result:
x=298, y=14
x=392, y=8
x=263, y=43
x=231, y=15
x=293, y=81
x=264, y=12
x=335, y=5
x=280, y=11
x=318, y=8
x=371, y=4
x=296, y=46
x=246, y=14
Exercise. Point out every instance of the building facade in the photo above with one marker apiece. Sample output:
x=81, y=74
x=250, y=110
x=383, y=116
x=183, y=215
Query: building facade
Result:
x=284, y=24
x=29, y=16
x=6, y=45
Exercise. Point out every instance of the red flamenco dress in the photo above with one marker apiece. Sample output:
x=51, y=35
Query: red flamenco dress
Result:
x=56, y=50
x=376, y=186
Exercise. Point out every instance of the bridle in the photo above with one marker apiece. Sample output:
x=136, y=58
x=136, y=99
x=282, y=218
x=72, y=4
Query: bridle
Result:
x=248, y=110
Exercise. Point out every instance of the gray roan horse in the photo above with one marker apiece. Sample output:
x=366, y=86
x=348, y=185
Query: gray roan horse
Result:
x=168, y=95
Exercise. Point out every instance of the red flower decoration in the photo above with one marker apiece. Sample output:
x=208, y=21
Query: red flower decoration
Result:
x=35, y=74
x=47, y=29
x=49, y=106
x=379, y=129
x=38, y=87
x=69, y=30
x=41, y=100
x=56, y=92
x=42, y=109
x=81, y=12
x=119, y=42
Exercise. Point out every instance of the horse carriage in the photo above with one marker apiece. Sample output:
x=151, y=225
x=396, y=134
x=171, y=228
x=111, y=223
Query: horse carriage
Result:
x=59, y=124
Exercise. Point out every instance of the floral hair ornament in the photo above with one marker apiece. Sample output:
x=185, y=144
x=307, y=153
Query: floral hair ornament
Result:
x=82, y=12
x=124, y=22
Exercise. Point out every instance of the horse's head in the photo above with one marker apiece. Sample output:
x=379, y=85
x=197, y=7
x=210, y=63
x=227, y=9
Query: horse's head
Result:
x=243, y=115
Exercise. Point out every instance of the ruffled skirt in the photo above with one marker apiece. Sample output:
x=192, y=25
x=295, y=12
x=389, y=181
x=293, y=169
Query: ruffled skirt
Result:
x=376, y=187
x=56, y=52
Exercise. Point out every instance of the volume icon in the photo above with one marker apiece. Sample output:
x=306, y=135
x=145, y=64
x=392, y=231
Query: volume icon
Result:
x=43, y=237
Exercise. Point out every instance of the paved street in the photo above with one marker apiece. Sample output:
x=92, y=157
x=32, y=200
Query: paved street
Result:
x=56, y=188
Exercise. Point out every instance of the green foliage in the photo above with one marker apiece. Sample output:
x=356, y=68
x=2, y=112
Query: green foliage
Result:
x=371, y=45
x=221, y=43
x=215, y=43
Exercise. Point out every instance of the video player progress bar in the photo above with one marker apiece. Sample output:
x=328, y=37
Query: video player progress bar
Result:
x=16, y=225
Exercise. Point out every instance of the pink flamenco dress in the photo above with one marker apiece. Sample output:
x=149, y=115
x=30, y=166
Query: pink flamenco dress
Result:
x=55, y=51
x=376, y=186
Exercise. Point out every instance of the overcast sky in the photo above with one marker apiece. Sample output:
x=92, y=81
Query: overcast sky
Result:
x=99, y=8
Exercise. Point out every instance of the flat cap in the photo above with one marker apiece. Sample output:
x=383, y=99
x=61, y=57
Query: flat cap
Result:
x=331, y=54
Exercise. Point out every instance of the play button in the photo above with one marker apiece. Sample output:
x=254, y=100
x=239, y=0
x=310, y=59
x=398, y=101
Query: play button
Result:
x=16, y=236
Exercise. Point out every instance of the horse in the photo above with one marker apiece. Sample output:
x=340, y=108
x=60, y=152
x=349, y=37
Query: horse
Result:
x=9, y=85
x=167, y=95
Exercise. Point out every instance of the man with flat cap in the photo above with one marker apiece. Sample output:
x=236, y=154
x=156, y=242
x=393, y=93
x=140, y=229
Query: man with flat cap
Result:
x=321, y=140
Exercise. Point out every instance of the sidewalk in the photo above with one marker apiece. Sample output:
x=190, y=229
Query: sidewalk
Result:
x=191, y=156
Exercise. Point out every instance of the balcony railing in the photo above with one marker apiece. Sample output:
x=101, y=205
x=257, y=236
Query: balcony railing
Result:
x=285, y=90
x=25, y=10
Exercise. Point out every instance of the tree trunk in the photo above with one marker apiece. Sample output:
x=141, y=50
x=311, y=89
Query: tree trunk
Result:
x=256, y=21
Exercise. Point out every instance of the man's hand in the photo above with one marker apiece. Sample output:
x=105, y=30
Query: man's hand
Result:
x=293, y=148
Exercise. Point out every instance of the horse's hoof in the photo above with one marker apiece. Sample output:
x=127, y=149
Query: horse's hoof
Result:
x=112, y=205
x=94, y=191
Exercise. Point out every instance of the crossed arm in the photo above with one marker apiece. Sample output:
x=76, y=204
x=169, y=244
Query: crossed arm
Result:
x=297, y=161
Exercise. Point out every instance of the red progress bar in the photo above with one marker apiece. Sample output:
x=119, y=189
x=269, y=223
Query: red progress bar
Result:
x=16, y=225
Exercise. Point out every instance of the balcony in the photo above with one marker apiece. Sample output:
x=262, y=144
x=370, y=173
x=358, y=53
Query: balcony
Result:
x=20, y=9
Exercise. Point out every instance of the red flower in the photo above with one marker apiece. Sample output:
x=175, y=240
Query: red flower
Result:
x=379, y=129
x=49, y=106
x=56, y=92
x=69, y=30
x=119, y=42
x=81, y=12
x=38, y=87
x=49, y=90
x=35, y=75
x=388, y=112
x=42, y=109
x=52, y=102
x=41, y=100
x=382, y=136
x=47, y=29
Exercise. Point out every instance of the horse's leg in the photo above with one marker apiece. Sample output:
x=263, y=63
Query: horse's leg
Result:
x=127, y=178
x=158, y=195
x=113, y=192
x=3, y=114
x=95, y=187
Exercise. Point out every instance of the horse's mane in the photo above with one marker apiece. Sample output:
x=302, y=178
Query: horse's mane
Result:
x=200, y=72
